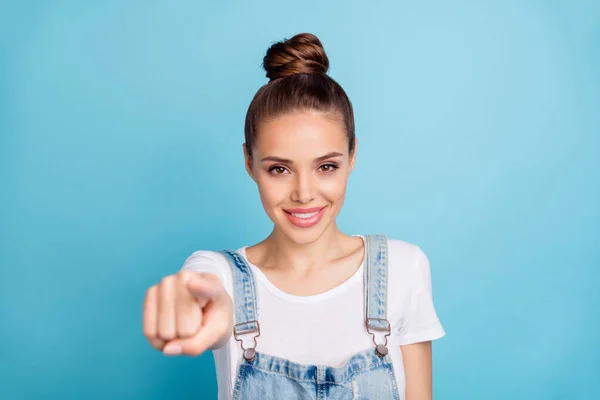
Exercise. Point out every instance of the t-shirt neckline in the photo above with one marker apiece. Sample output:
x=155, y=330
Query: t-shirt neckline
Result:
x=334, y=291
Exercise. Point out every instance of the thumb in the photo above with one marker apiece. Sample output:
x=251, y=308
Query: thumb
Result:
x=216, y=328
x=193, y=346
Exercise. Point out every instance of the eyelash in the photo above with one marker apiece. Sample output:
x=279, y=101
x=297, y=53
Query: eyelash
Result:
x=332, y=167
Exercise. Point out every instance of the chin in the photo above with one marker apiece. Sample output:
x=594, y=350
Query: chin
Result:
x=304, y=236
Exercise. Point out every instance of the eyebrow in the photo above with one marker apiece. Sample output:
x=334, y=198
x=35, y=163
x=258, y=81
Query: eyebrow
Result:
x=286, y=161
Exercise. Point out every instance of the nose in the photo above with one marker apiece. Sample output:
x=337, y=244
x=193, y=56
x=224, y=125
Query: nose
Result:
x=303, y=188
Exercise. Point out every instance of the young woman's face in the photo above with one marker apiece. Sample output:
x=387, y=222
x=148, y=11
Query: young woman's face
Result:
x=301, y=165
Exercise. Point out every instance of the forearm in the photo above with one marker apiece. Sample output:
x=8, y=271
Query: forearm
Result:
x=417, y=370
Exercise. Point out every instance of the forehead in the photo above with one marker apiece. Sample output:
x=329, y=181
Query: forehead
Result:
x=301, y=134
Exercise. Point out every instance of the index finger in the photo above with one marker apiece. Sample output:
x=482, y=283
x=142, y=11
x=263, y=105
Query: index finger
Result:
x=204, y=289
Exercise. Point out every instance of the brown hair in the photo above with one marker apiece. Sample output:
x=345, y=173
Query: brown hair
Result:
x=298, y=80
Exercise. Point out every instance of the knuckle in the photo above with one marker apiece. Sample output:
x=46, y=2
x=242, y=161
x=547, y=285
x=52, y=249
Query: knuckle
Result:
x=211, y=277
x=185, y=274
x=166, y=334
x=186, y=331
x=149, y=330
x=149, y=335
x=184, y=328
x=188, y=323
x=166, y=280
x=208, y=276
x=151, y=293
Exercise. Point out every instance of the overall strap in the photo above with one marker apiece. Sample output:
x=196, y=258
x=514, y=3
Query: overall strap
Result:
x=244, y=299
x=375, y=288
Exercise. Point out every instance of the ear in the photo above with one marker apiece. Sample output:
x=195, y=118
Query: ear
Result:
x=353, y=156
x=248, y=162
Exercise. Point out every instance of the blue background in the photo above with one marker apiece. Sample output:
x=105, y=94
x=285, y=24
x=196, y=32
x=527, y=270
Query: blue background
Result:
x=121, y=126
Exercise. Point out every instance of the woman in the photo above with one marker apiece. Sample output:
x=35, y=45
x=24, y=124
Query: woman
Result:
x=310, y=312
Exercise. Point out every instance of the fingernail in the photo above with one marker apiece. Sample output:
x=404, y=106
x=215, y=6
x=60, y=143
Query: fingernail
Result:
x=172, y=349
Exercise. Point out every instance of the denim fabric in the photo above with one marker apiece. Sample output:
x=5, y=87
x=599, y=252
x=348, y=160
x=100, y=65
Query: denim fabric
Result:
x=366, y=375
x=375, y=282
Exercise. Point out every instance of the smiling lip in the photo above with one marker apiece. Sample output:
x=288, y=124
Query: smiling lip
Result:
x=305, y=222
x=302, y=210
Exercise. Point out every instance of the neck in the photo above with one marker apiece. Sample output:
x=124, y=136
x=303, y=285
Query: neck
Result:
x=282, y=253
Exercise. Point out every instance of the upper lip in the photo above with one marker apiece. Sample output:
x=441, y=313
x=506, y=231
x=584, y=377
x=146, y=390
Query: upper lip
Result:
x=303, y=210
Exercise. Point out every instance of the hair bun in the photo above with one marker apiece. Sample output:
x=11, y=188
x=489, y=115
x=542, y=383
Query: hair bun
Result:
x=302, y=54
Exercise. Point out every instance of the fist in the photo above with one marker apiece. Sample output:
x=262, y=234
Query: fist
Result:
x=187, y=313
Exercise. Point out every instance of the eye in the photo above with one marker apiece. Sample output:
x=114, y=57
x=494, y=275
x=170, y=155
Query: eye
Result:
x=328, y=167
x=277, y=170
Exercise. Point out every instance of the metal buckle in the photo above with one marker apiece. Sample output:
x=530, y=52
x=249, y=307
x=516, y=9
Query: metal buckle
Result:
x=235, y=331
x=387, y=329
x=250, y=352
x=380, y=349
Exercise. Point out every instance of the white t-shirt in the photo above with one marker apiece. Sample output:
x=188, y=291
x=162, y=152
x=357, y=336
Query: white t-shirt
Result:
x=328, y=328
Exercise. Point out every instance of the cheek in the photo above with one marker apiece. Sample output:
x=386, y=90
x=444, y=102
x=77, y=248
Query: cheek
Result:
x=334, y=189
x=272, y=191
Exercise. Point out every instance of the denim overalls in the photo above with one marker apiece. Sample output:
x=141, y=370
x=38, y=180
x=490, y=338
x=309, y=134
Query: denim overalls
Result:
x=368, y=374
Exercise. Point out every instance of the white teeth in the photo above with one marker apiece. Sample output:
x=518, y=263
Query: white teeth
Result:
x=305, y=216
